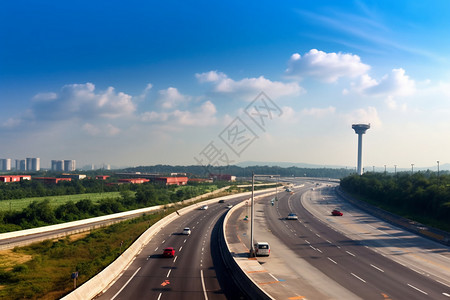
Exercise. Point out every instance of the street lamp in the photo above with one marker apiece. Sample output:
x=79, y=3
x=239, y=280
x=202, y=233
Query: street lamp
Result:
x=252, y=211
x=412, y=169
x=438, y=171
x=395, y=169
x=384, y=169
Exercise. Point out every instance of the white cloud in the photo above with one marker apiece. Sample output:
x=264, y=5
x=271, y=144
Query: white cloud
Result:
x=328, y=67
x=45, y=97
x=397, y=83
x=318, y=112
x=205, y=115
x=369, y=115
x=249, y=87
x=171, y=98
x=81, y=101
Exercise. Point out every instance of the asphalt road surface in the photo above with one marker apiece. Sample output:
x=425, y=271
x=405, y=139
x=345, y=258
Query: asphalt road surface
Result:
x=352, y=264
x=195, y=272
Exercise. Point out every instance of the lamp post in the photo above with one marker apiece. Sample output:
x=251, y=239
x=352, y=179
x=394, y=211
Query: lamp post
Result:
x=412, y=169
x=438, y=171
x=252, y=210
x=395, y=169
x=384, y=169
x=373, y=169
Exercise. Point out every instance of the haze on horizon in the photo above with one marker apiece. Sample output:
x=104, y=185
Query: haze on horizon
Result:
x=144, y=83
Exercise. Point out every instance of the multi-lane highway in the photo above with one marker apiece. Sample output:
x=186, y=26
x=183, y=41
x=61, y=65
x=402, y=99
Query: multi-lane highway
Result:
x=352, y=264
x=195, y=272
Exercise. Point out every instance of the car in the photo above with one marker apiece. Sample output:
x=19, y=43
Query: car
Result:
x=186, y=231
x=336, y=212
x=262, y=249
x=288, y=190
x=229, y=206
x=169, y=252
x=204, y=207
x=222, y=201
x=292, y=216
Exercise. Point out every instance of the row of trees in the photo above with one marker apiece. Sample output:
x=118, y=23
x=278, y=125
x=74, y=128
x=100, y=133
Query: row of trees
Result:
x=246, y=171
x=422, y=193
x=40, y=213
x=34, y=188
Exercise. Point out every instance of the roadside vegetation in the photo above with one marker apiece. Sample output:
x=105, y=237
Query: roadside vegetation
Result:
x=54, y=210
x=423, y=196
x=43, y=270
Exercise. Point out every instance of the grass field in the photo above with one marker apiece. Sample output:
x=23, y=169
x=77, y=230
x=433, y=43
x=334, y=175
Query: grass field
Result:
x=19, y=204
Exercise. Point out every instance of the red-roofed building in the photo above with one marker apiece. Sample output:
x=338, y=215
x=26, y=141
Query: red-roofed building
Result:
x=14, y=178
x=171, y=180
x=102, y=177
x=134, y=180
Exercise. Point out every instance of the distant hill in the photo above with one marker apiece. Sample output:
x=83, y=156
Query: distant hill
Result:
x=286, y=165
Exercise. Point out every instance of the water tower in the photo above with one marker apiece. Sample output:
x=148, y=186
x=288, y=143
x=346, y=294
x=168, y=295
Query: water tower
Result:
x=360, y=129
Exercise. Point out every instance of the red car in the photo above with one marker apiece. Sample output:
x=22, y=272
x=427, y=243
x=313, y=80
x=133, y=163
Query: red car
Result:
x=336, y=212
x=169, y=252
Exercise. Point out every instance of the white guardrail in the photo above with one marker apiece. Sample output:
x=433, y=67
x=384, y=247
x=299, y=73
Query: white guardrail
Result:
x=105, y=278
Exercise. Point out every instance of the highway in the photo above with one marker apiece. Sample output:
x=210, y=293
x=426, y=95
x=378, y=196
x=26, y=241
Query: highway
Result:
x=196, y=271
x=352, y=264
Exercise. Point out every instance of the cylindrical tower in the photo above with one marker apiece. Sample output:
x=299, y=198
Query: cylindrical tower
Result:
x=360, y=129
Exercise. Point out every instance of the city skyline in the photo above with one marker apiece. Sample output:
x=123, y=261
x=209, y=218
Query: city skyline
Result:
x=157, y=83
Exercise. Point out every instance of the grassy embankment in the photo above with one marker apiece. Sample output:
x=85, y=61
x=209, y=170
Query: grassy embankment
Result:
x=55, y=201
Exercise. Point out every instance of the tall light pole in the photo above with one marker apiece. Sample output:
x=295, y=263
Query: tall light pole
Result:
x=395, y=169
x=412, y=169
x=384, y=169
x=438, y=171
x=373, y=169
x=252, y=211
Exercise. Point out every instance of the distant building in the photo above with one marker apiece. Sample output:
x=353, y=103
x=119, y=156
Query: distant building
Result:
x=225, y=177
x=74, y=176
x=14, y=178
x=69, y=165
x=102, y=177
x=5, y=164
x=134, y=180
x=21, y=165
x=200, y=180
x=51, y=180
x=171, y=180
x=33, y=164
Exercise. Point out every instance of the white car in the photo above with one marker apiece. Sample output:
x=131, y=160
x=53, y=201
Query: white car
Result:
x=204, y=207
x=229, y=206
x=292, y=216
x=186, y=231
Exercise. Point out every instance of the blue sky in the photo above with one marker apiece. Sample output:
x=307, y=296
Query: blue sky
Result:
x=144, y=82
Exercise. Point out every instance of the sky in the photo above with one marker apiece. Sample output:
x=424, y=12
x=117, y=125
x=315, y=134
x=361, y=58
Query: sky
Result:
x=138, y=83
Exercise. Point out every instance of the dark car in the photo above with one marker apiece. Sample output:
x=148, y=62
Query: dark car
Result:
x=169, y=252
x=336, y=212
x=222, y=201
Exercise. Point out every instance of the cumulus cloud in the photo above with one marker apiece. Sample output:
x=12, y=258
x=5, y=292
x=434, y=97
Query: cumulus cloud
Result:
x=328, y=67
x=248, y=87
x=82, y=101
x=203, y=115
x=319, y=112
x=97, y=130
x=361, y=115
x=397, y=83
x=171, y=98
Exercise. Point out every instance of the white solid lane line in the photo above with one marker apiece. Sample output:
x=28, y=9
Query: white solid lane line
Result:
x=126, y=283
x=203, y=285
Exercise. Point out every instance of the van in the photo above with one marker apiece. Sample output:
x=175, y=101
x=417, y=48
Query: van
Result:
x=262, y=249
